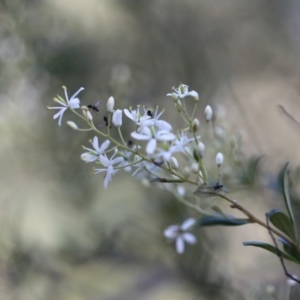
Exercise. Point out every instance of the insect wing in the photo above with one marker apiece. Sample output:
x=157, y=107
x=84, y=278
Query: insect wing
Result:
x=97, y=104
x=205, y=191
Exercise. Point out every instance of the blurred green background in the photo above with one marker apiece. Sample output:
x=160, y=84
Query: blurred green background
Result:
x=62, y=236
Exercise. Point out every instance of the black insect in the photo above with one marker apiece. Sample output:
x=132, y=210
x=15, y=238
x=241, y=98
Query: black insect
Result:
x=105, y=119
x=130, y=143
x=94, y=107
x=150, y=112
x=218, y=186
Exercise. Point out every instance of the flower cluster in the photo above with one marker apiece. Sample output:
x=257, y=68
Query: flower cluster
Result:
x=153, y=151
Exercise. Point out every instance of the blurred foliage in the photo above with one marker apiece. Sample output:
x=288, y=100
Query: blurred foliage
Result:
x=62, y=235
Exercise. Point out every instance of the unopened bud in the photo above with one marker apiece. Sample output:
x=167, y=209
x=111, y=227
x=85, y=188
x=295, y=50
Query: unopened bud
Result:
x=86, y=113
x=110, y=104
x=117, y=118
x=174, y=163
x=178, y=105
x=219, y=159
x=195, y=125
x=208, y=113
x=195, y=168
x=186, y=171
x=72, y=125
x=201, y=149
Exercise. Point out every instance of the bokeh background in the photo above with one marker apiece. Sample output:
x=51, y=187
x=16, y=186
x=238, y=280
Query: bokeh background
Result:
x=62, y=236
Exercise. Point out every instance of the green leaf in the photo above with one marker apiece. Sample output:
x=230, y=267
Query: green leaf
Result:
x=290, y=250
x=282, y=222
x=286, y=195
x=272, y=249
x=221, y=220
x=195, y=155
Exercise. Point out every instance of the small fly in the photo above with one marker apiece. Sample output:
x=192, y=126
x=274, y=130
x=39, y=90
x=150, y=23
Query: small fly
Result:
x=205, y=191
x=150, y=113
x=94, y=107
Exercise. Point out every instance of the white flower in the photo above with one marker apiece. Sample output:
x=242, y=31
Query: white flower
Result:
x=153, y=121
x=117, y=118
x=208, y=113
x=108, y=165
x=183, y=91
x=136, y=116
x=179, y=234
x=146, y=134
x=143, y=166
x=65, y=104
x=110, y=104
x=93, y=155
x=219, y=159
x=181, y=141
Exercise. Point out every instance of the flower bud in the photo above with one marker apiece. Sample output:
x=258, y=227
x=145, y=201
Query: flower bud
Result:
x=195, y=125
x=219, y=159
x=87, y=114
x=208, y=113
x=195, y=168
x=201, y=149
x=186, y=171
x=174, y=163
x=178, y=105
x=72, y=125
x=110, y=104
x=117, y=118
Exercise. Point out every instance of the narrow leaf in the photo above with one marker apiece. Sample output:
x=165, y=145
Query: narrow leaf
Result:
x=290, y=250
x=286, y=195
x=282, y=222
x=221, y=220
x=270, y=248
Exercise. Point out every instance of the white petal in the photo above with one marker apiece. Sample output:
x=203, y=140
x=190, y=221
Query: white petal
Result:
x=88, y=157
x=104, y=160
x=81, y=89
x=189, y=238
x=129, y=114
x=179, y=245
x=74, y=103
x=117, y=160
x=171, y=232
x=60, y=115
x=95, y=143
x=193, y=94
x=151, y=146
x=188, y=224
x=162, y=136
x=104, y=146
x=140, y=137
x=163, y=125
